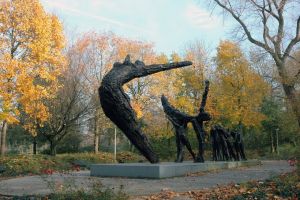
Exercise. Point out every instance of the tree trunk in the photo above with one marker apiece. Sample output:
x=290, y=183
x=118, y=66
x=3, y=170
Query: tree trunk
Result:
x=272, y=144
x=34, y=145
x=131, y=147
x=294, y=101
x=1, y=128
x=289, y=89
x=97, y=131
x=52, y=148
x=3, y=138
x=96, y=143
x=169, y=143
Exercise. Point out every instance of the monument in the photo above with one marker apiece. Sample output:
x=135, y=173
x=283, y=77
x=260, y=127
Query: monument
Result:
x=116, y=106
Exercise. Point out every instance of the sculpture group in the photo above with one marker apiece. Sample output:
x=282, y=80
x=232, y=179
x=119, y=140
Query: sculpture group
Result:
x=226, y=145
x=116, y=106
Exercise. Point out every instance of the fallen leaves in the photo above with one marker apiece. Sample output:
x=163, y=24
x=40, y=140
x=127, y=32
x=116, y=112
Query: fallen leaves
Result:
x=283, y=187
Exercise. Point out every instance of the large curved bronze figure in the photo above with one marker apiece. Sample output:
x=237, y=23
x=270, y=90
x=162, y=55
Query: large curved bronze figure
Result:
x=116, y=103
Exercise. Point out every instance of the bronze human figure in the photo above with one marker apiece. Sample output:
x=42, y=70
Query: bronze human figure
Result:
x=116, y=103
x=180, y=121
x=198, y=124
x=238, y=145
x=227, y=145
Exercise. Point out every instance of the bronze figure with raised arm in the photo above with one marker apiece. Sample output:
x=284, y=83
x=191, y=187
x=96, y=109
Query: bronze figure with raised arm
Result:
x=116, y=103
x=180, y=120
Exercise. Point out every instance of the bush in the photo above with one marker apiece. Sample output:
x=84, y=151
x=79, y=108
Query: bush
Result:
x=29, y=164
x=44, y=164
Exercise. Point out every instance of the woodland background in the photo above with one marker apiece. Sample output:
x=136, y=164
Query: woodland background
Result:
x=49, y=83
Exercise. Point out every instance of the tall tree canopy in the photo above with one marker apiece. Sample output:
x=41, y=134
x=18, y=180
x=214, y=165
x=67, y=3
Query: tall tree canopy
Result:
x=31, y=60
x=240, y=90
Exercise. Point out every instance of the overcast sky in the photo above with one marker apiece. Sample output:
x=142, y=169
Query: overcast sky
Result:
x=169, y=24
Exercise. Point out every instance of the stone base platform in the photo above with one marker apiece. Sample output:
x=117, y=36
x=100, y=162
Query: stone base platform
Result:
x=163, y=170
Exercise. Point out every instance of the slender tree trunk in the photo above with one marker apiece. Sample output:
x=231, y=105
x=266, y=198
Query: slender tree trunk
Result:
x=97, y=131
x=3, y=138
x=52, y=148
x=1, y=128
x=169, y=143
x=294, y=100
x=34, y=145
x=272, y=143
x=294, y=142
x=96, y=143
x=131, y=147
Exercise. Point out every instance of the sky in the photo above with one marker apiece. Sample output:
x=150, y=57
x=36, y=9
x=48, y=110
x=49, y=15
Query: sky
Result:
x=169, y=24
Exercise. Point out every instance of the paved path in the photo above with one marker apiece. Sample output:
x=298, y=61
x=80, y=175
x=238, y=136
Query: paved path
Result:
x=30, y=185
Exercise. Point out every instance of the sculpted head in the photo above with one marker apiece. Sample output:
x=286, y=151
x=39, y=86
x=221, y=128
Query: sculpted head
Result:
x=125, y=62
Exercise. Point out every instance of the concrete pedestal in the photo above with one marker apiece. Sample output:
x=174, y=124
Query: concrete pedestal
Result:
x=163, y=170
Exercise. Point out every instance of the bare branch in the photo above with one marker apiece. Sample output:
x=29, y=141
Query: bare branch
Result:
x=275, y=4
x=280, y=31
x=293, y=42
x=266, y=34
x=270, y=10
x=245, y=28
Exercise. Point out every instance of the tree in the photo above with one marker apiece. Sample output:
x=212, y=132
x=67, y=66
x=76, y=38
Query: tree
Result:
x=240, y=90
x=69, y=108
x=94, y=54
x=31, y=60
x=276, y=30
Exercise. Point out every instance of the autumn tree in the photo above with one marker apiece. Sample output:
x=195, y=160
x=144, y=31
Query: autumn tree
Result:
x=274, y=26
x=69, y=108
x=240, y=90
x=94, y=54
x=31, y=60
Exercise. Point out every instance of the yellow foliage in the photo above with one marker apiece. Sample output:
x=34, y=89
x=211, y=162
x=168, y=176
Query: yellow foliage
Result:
x=31, y=60
x=239, y=90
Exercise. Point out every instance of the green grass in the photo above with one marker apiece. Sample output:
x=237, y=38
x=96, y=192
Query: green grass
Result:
x=16, y=165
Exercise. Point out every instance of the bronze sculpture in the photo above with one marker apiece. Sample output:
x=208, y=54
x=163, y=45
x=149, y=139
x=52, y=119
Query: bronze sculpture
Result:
x=198, y=124
x=180, y=121
x=116, y=103
x=238, y=145
x=226, y=145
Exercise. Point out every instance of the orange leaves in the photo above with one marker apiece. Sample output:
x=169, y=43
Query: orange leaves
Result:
x=8, y=110
x=281, y=187
x=137, y=108
x=31, y=60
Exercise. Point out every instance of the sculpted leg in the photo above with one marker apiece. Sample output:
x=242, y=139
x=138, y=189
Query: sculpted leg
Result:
x=200, y=136
x=179, y=145
x=186, y=142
